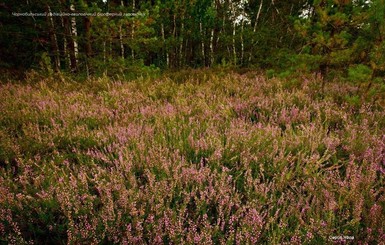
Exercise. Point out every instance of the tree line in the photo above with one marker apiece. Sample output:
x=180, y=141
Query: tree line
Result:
x=308, y=35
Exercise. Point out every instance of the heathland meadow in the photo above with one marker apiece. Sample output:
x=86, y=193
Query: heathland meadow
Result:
x=192, y=158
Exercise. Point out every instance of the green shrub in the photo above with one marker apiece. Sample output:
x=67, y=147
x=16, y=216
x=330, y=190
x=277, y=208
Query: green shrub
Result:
x=270, y=73
x=359, y=73
x=45, y=65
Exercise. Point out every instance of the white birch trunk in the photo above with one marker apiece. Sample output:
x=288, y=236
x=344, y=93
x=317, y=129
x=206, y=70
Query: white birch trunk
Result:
x=164, y=45
x=234, y=49
x=65, y=52
x=121, y=36
x=104, y=52
x=56, y=46
x=257, y=18
x=74, y=33
x=202, y=42
x=133, y=32
x=212, y=47
x=255, y=26
x=181, y=44
x=242, y=43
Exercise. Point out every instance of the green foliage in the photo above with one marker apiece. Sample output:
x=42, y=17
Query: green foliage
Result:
x=165, y=34
x=270, y=73
x=377, y=58
x=339, y=33
x=360, y=73
x=353, y=101
x=45, y=65
x=306, y=62
x=123, y=69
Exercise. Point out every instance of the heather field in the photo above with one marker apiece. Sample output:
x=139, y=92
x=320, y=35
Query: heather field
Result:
x=192, y=158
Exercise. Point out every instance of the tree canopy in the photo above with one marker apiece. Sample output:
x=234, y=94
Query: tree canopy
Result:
x=111, y=36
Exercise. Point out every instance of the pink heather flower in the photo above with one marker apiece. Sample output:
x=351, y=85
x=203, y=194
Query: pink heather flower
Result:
x=295, y=239
x=375, y=213
x=197, y=238
x=2, y=229
x=150, y=219
x=294, y=112
x=43, y=195
x=331, y=143
x=158, y=239
x=330, y=202
x=169, y=109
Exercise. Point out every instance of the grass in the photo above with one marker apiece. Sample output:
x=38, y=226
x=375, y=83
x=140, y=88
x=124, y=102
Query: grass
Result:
x=195, y=157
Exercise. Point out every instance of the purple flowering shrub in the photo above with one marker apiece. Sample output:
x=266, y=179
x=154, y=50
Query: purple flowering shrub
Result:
x=226, y=159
